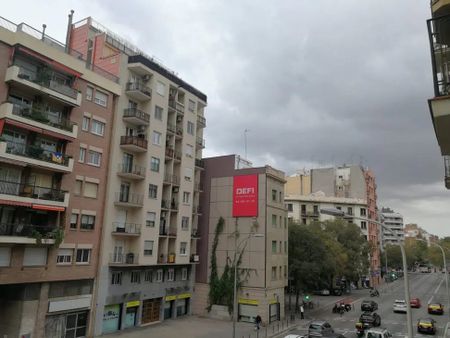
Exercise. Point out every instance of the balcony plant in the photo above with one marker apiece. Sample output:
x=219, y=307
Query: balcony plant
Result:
x=35, y=151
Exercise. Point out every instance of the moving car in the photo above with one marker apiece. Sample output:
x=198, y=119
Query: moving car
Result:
x=378, y=333
x=415, y=303
x=294, y=336
x=399, y=306
x=319, y=328
x=370, y=319
x=427, y=325
x=369, y=305
x=323, y=292
x=435, y=308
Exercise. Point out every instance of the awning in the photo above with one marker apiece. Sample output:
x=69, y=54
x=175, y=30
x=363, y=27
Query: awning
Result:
x=15, y=203
x=38, y=130
x=47, y=207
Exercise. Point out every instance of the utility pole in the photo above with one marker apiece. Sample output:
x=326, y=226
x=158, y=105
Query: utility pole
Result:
x=245, y=142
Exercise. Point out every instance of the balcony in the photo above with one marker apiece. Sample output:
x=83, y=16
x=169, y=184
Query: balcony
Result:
x=198, y=187
x=171, y=128
x=172, y=232
x=163, y=230
x=138, y=91
x=36, y=156
x=447, y=171
x=201, y=121
x=126, y=229
x=136, y=117
x=171, y=179
x=196, y=209
x=179, y=132
x=129, y=200
x=135, y=144
x=440, y=7
x=43, y=81
x=165, y=204
x=39, y=118
x=26, y=234
x=199, y=163
x=132, y=172
x=130, y=258
x=177, y=155
x=195, y=259
x=169, y=153
x=200, y=142
x=28, y=195
x=195, y=234
x=179, y=108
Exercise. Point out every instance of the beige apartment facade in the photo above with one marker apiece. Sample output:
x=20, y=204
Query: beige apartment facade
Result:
x=265, y=256
x=55, y=136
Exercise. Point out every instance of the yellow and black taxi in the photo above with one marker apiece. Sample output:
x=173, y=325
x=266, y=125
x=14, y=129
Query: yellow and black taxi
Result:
x=435, y=308
x=426, y=325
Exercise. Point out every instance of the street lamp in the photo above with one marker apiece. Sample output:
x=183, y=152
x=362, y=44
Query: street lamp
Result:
x=340, y=213
x=446, y=271
x=236, y=248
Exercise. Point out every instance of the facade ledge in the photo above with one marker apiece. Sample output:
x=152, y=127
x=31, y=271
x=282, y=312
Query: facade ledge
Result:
x=24, y=240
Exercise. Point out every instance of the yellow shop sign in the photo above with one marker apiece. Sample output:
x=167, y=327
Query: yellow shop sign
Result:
x=184, y=296
x=248, y=301
x=169, y=298
x=133, y=303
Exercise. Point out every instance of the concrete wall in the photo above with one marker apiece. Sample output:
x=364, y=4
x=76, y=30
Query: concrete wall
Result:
x=323, y=180
x=298, y=185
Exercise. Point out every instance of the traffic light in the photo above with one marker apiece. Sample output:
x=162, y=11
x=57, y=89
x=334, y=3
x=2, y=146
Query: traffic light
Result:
x=307, y=297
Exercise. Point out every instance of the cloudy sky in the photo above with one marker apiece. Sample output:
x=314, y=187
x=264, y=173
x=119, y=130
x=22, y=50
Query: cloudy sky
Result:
x=317, y=83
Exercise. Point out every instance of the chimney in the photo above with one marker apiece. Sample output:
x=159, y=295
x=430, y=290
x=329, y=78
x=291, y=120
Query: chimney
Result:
x=69, y=31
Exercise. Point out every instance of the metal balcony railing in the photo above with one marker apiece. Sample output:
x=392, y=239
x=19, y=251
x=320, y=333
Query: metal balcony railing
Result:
x=128, y=228
x=170, y=152
x=172, y=179
x=199, y=163
x=200, y=142
x=171, y=128
x=134, y=140
x=440, y=53
x=37, y=152
x=131, y=86
x=126, y=168
x=163, y=230
x=447, y=171
x=128, y=258
x=43, y=116
x=201, y=121
x=24, y=230
x=31, y=191
x=134, y=112
x=123, y=197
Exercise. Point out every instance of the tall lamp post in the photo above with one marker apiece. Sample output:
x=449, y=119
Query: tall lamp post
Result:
x=236, y=248
x=340, y=213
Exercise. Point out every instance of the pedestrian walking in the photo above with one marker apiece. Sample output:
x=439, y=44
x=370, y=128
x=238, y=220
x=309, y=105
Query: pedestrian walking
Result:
x=302, y=312
x=258, y=321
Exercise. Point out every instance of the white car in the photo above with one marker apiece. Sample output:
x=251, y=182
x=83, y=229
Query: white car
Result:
x=399, y=306
x=294, y=336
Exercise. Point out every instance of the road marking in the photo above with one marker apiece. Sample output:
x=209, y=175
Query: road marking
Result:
x=435, y=291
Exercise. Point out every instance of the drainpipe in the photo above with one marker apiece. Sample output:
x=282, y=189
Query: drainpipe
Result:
x=69, y=31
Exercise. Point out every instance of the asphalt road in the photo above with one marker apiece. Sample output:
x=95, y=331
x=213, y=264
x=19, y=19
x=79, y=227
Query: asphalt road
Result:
x=427, y=287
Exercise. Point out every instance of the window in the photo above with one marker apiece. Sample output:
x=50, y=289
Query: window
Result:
x=363, y=225
x=274, y=221
x=34, y=256
x=350, y=210
x=150, y=221
x=159, y=275
x=76, y=324
x=285, y=271
x=184, y=274
x=148, y=276
x=274, y=247
x=116, y=278
x=152, y=191
x=83, y=256
x=188, y=172
x=290, y=207
x=73, y=221
x=186, y=197
x=101, y=98
x=274, y=272
x=97, y=128
x=64, y=256
x=5, y=256
x=280, y=247
x=280, y=197
x=285, y=247
x=87, y=222
x=189, y=150
x=274, y=195
x=89, y=93
x=285, y=222
x=135, y=277
x=303, y=207
x=160, y=88
x=90, y=189
x=85, y=124
x=316, y=209
x=184, y=223
x=170, y=275
x=191, y=106
x=190, y=128
x=280, y=272
x=362, y=212
x=281, y=222
x=154, y=164
x=82, y=155
x=94, y=158
x=148, y=248
x=77, y=187
x=158, y=113
x=183, y=247
x=303, y=220
x=156, y=138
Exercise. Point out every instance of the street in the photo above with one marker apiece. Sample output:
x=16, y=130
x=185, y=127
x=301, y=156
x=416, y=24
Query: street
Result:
x=428, y=288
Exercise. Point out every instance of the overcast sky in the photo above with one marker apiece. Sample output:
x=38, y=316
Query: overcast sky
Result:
x=317, y=83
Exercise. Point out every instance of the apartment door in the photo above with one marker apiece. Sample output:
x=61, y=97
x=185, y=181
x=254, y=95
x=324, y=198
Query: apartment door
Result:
x=15, y=141
x=121, y=218
x=9, y=181
x=124, y=192
x=119, y=249
x=150, y=310
x=127, y=166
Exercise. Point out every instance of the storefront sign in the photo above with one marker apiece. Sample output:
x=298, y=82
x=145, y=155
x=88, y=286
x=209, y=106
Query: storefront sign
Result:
x=70, y=304
x=133, y=303
x=248, y=301
x=184, y=295
x=245, y=196
x=169, y=298
x=273, y=301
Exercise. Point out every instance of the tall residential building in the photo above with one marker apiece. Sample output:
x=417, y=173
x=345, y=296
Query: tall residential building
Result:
x=228, y=189
x=413, y=231
x=306, y=209
x=150, y=227
x=439, y=35
x=394, y=221
x=56, y=126
x=353, y=182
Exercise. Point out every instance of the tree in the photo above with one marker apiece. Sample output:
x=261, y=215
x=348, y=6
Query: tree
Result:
x=394, y=256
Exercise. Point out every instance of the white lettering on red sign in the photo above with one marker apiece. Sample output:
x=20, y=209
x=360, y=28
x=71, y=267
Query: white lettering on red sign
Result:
x=245, y=191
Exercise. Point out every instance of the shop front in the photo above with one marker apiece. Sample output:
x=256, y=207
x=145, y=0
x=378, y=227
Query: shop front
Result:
x=169, y=304
x=183, y=302
x=248, y=310
x=131, y=313
x=150, y=310
x=111, y=318
x=274, y=311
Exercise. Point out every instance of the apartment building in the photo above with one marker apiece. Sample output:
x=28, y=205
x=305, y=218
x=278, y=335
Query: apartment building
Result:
x=299, y=183
x=150, y=227
x=353, y=182
x=264, y=254
x=413, y=231
x=306, y=209
x=439, y=105
x=55, y=126
x=394, y=221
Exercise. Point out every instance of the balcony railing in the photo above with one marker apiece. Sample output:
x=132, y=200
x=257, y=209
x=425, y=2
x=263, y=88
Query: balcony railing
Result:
x=177, y=155
x=171, y=128
x=447, y=171
x=127, y=228
x=134, y=141
x=31, y=191
x=440, y=53
x=199, y=163
x=125, y=259
x=163, y=230
x=132, y=86
x=179, y=107
x=200, y=142
x=196, y=209
x=170, y=152
x=136, y=113
x=125, y=168
x=165, y=204
x=42, y=116
x=24, y=230
x=37, y=152
x=201, y=121
x=172, y=231
x=179, y=131
x=172, y=104
x=172, y=179
x=129, y=198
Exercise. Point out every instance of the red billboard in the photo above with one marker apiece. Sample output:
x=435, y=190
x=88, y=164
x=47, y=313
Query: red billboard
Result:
x=245, y=196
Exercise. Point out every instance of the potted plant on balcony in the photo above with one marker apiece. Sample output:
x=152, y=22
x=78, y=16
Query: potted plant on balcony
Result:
x=35, y=151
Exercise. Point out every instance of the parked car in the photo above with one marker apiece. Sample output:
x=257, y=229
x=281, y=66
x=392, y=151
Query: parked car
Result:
x=415, y=303
x=378, y=333
x=399, y=306
x=369, y=305
x=426, y=325
x=435, y=308
x=294, y=336
x=337, y=292
x=319, y=328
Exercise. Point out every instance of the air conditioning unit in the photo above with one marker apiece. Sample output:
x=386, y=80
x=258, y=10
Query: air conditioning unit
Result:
x=146, y=78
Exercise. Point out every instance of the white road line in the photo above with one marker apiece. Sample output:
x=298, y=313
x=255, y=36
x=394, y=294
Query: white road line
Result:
x=435, y=291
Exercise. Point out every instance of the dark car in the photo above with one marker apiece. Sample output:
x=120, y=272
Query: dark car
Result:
x=426, y=325
x=320, y=328
x=369, y=305
x=370, y=319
